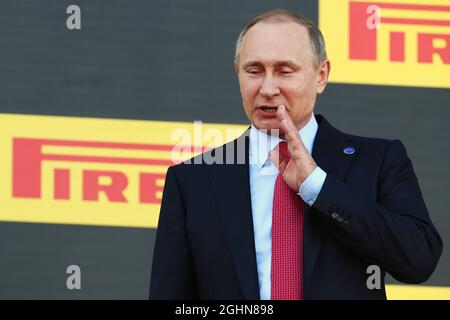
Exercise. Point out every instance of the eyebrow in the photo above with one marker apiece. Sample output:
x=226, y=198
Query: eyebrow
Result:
x=277, y=64
x=288, y=63
x=252, y=64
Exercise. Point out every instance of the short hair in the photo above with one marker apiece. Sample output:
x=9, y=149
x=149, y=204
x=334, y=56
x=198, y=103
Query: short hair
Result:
x=316, y=40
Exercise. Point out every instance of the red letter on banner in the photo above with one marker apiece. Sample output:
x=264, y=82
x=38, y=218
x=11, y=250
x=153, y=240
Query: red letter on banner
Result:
x=426, y=49
x=27, y=158
x=149, y=188
x=62, y=184
x=362, y=40
x=397, y=44
x=113, y=191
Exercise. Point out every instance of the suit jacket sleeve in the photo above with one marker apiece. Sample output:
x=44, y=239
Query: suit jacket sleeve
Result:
x=172, y=275
x=395, y=231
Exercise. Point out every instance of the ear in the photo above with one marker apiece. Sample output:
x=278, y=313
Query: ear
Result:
x=322, y=76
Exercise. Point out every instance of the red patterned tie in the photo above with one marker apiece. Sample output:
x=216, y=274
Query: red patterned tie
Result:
x=287, y=239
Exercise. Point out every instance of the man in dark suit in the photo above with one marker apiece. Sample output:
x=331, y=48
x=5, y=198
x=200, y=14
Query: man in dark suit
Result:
x=305, y=211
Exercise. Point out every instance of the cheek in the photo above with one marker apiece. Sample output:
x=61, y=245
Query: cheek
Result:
x=294, y=91
x=293, y=86
x=309, y=84
x=249, y=90
x=302, y=91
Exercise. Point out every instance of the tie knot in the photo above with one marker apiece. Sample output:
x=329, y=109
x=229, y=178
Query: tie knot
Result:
x=284, y=150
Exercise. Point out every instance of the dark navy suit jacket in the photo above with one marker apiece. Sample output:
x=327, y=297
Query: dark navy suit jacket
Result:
x=370, y=211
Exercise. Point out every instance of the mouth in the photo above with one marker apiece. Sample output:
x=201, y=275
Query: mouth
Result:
x=267, y=112
x=269, y=109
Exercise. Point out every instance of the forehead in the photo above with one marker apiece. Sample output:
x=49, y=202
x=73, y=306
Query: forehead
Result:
x=275, y=41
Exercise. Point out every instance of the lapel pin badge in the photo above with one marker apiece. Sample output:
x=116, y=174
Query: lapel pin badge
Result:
x=349, y=150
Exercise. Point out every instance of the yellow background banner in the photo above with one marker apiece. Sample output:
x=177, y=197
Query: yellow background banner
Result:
x=102, y=211
x=334, y=22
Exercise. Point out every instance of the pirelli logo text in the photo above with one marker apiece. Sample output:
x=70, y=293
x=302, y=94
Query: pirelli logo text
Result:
x=29, y=155
x=366, y=20
x=104, y=172
x=390, y=42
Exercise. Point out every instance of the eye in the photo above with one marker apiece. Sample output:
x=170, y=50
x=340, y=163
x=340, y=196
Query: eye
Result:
x=286, y=71
x=253, y=71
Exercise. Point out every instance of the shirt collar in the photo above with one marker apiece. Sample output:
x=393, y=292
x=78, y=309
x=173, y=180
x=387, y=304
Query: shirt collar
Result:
x=261, y=143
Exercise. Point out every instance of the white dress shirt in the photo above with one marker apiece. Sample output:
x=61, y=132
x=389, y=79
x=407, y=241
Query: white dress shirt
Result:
x=263, y=174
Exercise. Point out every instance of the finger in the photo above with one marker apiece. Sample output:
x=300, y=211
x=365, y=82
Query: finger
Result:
x=283, y=115
x=292, y=136
x=290, y=131
x=293, y=139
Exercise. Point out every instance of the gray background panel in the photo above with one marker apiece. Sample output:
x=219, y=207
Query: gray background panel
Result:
x=114, y=262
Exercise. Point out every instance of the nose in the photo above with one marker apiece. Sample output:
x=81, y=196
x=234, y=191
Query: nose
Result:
x=268, y=87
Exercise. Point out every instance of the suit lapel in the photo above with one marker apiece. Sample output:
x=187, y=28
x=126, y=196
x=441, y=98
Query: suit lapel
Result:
x=328, y=154
x=231, y=189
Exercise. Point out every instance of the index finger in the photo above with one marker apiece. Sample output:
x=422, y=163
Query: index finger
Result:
x=288, y=127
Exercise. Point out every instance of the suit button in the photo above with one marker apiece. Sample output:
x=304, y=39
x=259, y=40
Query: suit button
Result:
x=345, y=223
x=334, y=215
x=340, y=219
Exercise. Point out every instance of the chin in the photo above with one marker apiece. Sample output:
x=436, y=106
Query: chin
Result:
x=266, y=123
x=267, y=126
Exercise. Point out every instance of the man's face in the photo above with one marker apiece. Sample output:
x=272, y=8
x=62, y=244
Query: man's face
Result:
x=276, y=67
